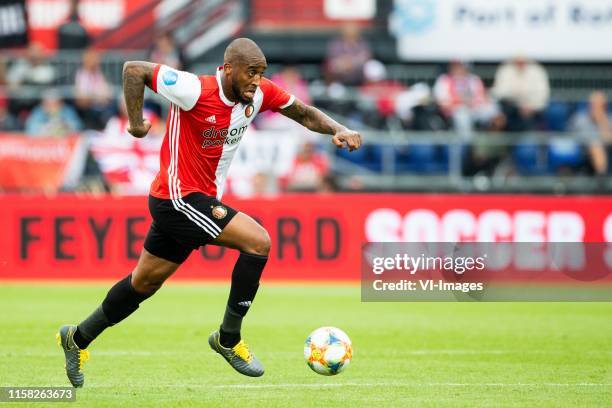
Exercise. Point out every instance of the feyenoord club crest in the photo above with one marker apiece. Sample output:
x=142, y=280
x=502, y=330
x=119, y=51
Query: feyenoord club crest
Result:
x=248, y=111
x=219, y=212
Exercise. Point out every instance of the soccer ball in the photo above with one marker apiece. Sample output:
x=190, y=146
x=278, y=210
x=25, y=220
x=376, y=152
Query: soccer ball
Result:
x=328, y=351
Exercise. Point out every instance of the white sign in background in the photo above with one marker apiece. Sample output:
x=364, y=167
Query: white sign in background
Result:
x=558, y=30
x=349, y=9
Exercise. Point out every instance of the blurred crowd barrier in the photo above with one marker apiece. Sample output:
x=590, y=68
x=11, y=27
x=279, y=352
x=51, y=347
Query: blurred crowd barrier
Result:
x=273, y=162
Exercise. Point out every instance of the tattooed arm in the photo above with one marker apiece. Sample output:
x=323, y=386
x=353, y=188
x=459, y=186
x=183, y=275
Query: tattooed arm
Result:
x=315, y=120
x=136, y=74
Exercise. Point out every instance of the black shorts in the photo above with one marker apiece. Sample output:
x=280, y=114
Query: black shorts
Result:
x=179, y=226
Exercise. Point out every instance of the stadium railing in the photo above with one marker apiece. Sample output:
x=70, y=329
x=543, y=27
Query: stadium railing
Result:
x=546, y=162
x=437, y=161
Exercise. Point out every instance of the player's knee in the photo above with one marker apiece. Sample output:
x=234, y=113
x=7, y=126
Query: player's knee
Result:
x=147, y=285
x=263, y=244
x=260, y=245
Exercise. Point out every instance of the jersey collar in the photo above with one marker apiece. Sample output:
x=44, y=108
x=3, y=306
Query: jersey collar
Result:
x=221, y=93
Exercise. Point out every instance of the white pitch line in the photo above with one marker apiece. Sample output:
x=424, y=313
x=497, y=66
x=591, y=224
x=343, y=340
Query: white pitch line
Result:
x=357, y=384
x=143, y=353
x=383, y=384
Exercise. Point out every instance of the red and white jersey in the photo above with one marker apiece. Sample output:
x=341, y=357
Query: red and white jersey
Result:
x=203, y=130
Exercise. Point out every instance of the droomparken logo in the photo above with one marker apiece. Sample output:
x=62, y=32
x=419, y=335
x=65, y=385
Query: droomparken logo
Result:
x=412, y=16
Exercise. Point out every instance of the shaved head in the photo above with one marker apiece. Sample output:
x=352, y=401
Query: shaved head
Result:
x=243, y=50
x=243, y=68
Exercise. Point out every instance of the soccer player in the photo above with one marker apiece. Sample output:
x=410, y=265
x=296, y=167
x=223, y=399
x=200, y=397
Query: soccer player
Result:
x=208, y=117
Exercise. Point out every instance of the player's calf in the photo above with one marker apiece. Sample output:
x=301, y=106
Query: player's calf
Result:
x=253, y=241
x=245, y=282
x=121, y=301
x=125, y=297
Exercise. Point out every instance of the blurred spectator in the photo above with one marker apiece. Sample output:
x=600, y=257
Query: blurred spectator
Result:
x=8, y=122
x=346, y=57
x=355, y=184
x=72, y=35
x=34, y=69
x=290, y=79
x=415, y=110
x=593, y=126
x=522, y=89
x=308, y=171
x=379, y=92
x=3, y=95
x=52, y=117
x=165, y=51
x=256, y=183
x=463, y=99
x=128, y=164
x=2, y=74
x=93, y=94
x=328, y=185
x=263, y=185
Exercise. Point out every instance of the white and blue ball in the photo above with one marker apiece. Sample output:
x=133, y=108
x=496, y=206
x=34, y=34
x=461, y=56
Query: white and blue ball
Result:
x=328, y=351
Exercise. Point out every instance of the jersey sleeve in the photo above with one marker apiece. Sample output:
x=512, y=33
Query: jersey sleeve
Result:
x=179, y=87
x=275, y=98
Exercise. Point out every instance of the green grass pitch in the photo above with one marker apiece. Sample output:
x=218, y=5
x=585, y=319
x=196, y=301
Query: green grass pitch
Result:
x=405, y=354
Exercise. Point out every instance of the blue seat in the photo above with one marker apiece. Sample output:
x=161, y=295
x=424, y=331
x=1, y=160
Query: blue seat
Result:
x=373, y=157
x=367, y=157
x=528, y=159
x=564, y=153
x=417, y=158
x=404, y=162
x=556, y=116
x=422, y=158
x=582, y=106
x=445, y=152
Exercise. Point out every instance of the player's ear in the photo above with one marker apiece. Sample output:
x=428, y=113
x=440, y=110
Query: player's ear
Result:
x=227, y=68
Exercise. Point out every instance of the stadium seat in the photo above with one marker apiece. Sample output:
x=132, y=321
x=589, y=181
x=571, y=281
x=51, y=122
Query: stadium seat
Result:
x=582, y=106
x=369, y=157
x=373, y=157
x=404, y=162
x=421, y=158
x=445, y=152
x=528, y=159
x=556, y=116
x=564, y=154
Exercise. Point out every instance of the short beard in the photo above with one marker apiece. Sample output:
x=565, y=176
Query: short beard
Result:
x=239, y=95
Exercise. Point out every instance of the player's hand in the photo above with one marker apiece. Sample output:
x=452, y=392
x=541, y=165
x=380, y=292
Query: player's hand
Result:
x=140, y=131
x=347, y=138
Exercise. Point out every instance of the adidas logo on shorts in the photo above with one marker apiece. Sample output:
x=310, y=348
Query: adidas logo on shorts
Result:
x=246, y=303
